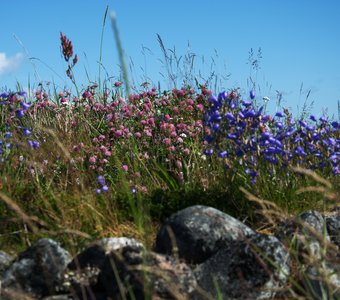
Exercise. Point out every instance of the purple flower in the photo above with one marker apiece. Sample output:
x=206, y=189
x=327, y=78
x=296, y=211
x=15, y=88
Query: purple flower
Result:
x=216, y=116
x=4, y=95
x=22, y=94
x=246, y=103
x=222, y=96
x=315, y=136
x=25, y=106
x=252, y=94
x=27, y=132
x=208, y=152
x=232, y=136
x=35, y=144
x=19, y=113
x=333, y=158
x=265, y=117
x=101, y=180
x=105, y=188
x=313, y=118
x=299, y=151
x=279, y=125
x=331, y=142
x=241, y=115
x=209, y=138
x=266, y=135
x=251, y=173
x=335, y=124
x=271, y=159
x=303, y=123
x=8, y=134
x=222, y=154
x=250, y=114
x=279, y=114
x=230, y=116
x=216, y=127
x=213, y=99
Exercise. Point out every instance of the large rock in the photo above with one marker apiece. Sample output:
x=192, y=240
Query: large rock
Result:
x=306, y=230
x=333, y=226
x=81, y=276
x=37, y=270
x=317, y=251
x=322, y=281
x=247, y=269
x=145, y=274
x=197, y=232
x=5, y=261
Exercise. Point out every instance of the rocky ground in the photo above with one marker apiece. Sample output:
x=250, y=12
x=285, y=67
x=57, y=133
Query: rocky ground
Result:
x=199, y=253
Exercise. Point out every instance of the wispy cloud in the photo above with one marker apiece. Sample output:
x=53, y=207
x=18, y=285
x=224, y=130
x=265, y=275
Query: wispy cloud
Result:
x=10, y=64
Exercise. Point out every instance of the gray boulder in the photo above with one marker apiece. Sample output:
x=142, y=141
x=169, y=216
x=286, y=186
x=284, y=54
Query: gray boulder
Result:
x=81, y=275
x=255, y=268
x=306, y=230
x=5, y=261
x=333, y=226
x=309, y=234
x=37, y=271
x=139, y=274
x=322, y=281
x=197, y=232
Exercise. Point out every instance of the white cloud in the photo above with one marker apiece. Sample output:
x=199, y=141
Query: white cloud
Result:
x=10, y=64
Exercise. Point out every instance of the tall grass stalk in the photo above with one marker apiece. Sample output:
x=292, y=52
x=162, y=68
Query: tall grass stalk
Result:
x=101, y=49
x=120, y=52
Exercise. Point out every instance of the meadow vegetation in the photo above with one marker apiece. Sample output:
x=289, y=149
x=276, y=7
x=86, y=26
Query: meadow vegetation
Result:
x=99, y=162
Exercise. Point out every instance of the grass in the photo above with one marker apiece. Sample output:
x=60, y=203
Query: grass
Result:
x=152, y=151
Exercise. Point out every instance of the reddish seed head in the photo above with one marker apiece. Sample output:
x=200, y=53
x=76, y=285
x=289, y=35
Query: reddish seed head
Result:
x=75, y=59
x=67, y=47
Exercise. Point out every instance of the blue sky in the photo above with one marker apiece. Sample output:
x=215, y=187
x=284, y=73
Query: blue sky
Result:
x=299, y=39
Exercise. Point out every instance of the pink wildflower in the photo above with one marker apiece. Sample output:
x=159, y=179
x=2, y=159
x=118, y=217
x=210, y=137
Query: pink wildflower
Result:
x=186, y=151
x=118, y=133
x=167, y=141
x=93, y=159
x=101, y=138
